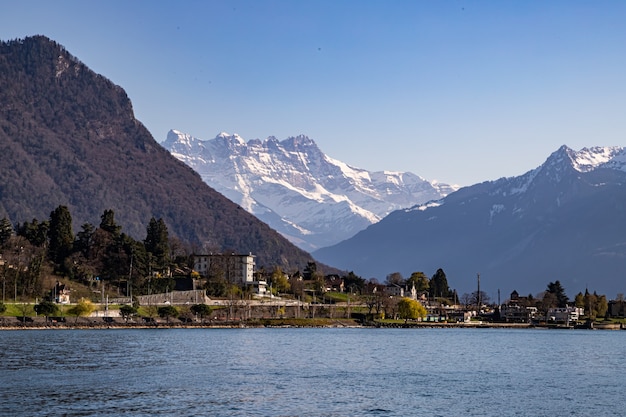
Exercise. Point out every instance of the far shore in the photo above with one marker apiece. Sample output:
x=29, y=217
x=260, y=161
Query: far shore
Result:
x=71, y=323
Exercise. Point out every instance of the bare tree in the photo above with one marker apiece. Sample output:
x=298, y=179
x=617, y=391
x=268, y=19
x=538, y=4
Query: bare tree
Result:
x=395, y=278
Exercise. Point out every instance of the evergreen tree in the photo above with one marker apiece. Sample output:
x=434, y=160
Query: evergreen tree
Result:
x=60, y=235
x=6, y=230
x=439, y=285
x=555, y=288
x=157, y=242
x=111, y=248
x=310, y=271
x=138, y=265
x=36, y=233
x=579, y=300
x=590, y=304
x=84, y=239
x=108, y=224
x=353, y=282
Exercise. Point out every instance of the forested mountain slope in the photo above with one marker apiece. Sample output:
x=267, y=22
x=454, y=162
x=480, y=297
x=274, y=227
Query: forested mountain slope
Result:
x=68, y=136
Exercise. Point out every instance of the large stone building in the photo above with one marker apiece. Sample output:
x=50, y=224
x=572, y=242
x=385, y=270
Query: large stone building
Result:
x=234, y=268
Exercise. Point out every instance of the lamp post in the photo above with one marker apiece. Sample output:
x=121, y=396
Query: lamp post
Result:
x=4, y=280
x=17, y=273
x=129, y=285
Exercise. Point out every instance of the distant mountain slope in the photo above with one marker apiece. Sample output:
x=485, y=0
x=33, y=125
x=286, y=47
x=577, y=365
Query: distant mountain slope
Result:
x=68, y=136
x=564, y=220
x=309, y=197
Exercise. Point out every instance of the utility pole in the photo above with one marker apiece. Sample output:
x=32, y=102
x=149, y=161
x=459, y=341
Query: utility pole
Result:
x=4, y=276
x=129, y=285
x=478, y=292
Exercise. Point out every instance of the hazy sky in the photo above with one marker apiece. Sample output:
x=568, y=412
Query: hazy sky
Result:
x=455, y=91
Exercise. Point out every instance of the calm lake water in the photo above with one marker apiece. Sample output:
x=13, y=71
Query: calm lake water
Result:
x=312, y=372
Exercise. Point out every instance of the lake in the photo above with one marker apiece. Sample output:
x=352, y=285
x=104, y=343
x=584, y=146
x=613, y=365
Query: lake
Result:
x=312, y=372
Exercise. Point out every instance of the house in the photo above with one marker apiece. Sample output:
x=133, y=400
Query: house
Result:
x=461, y=316
x=517, y=310
x=564, y=314
x=60, y=293
x=395, y=290
x=333, y=283
x=373, y=288
x=260, y=287
x=514, y=313
x=516, y=299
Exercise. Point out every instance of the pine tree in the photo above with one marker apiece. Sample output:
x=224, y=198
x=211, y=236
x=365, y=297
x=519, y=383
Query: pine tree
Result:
x=579, y=300
x=60, y=234
x=35, y=232
x=6, y=230
x=558, y=291
x=84, y=239
x=108, y=224
x=310, y=271
x=157, y=242
x=439, y=285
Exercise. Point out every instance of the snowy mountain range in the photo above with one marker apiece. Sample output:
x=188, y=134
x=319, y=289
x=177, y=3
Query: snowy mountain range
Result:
x=307, y=196
x=565, y=220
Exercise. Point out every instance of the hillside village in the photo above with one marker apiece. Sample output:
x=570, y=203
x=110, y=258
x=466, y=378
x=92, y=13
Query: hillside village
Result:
x=47, y=273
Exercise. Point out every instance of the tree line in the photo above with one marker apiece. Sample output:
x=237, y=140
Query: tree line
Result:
x=37, y=253
x=554, y=296
x=48, y=249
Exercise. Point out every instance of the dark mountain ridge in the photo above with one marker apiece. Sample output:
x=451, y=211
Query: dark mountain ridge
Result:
x=68, y=136
x=564, y=220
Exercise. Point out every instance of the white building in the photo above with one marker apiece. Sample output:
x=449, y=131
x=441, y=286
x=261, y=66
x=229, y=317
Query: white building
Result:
x=395, y=290
x=565, y=314
x=234, y=268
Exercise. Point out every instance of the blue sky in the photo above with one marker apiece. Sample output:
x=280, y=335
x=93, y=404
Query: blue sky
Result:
x=455, y=91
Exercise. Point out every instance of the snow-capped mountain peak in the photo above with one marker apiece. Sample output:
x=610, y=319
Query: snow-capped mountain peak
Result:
x=562, y=219
x=299, y=142
x=565, y=161
x=311, y=198
x=588, y=159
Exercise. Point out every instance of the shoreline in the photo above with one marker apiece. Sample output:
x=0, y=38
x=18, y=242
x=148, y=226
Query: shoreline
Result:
x=286, y=323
